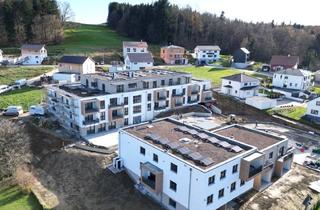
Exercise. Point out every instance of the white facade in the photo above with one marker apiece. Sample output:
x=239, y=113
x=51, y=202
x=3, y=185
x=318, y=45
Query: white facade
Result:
x=134, y=47
x=87, y=67
x=313, y=109
x=261, y=102
x=134, y=66
x=207, y=54
x=294, y=79
x=33, y=56
x=193, y=188
x=65, y=77
x=1, y=56
x=238, y=89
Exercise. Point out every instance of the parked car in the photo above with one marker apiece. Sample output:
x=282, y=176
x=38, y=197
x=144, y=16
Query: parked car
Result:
x=13, y=111
x=4, y=88
x=36, y=110
x=19, y=83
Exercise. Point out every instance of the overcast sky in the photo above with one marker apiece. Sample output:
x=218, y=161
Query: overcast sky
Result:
x=305, y=12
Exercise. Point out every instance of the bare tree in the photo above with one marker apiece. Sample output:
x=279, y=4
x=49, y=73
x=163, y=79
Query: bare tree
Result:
x=14, y=147
x=66, y=13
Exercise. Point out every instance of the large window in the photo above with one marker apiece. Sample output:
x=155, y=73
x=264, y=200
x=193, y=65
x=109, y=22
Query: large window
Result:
x=132, y=85
x=102, y=115
x=120, y=88
x=173, y=186
x=315, y=112
x=102, y=104
x=172, y=203
x=149, y=107
x=137, y=120
x=125, y=100
x=136, y=109
x=174, y=167
x=137, y=99
x=149, y=96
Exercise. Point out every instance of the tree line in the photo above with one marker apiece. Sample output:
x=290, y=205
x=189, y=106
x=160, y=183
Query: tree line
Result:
x=33, y=21
x=164, y=23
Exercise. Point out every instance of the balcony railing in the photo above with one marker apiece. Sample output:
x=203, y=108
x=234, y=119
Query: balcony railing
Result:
x=159, y=108
x=149, y=182
x=191, y=101
x=254, y=170
x=117, y=116
x=90, y=122
x=208, y=98
x=194, y=92
x=91, y=110
x=162, y=98
x=178, y=94
x=116, y=105
x=178, y=104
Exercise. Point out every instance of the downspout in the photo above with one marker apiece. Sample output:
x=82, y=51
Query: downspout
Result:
x=190, y=176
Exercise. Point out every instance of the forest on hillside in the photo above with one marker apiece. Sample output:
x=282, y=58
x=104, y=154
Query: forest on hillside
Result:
x=164, y=23
x=33, y=21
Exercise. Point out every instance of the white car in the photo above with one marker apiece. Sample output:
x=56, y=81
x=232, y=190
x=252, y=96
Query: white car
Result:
x=13, y=111
x=36, y=110
x=4, y=88
x=19, y=83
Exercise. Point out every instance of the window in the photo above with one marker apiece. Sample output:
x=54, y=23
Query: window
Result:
x=120, y=88
x=126, y=121
x=154, y=84
x=137, y=120
x=318, y=103
x=137, y=99
x=142, y=151
x=221, y=193
x=126, y=111
x=149, y=107
x=170, y=82
x=174, y=167
x=146, y=85
x=102, y=105
x=102, y=127
x=91, y=130
x=209, y=199
x=149, y=96
x=211, y=180
x=125, y=100
x=223, y=174
x=163, y=82
x=136, y=109
x=233, y=187
x=173, y=186
x=155, y=158
x=128, y=49
x=132, y=85
x=112, y=125
x=172, y=203
x=281, y=151
x=270, y=155
x=315, y=112
x=102, y=115
x=242, y=183
x=103, y=87
x=235, y=169
x=179, y=81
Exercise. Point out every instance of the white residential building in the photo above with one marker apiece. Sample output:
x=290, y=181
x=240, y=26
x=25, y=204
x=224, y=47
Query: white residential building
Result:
x=240, y=86
x=1, y=55
x=207, y=54
x=134, y=47
x=33, y=54
x=138, y=61
x=185, y=168
x=292, y=79
x=313, y=110
x=106, y=101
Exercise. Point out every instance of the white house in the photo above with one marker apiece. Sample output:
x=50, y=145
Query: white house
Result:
x=1, y=56
x=185, y=168
x=33, y=54
x=313, y=110
x=138, y=61
x=240, y=86
x=261, y=102
x=134, y=47
x=206, y=54
x=292, y=79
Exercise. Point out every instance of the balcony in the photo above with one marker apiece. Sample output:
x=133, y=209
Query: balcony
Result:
x=117, y=116
x=157, y=108
x=162, y=98
x=194, y=92
x=178, y=94
x=177, y=104
x=254, y=170
x=151, y=177
x=116, y=105
x=90, y=122
x=91, y=110
x=251, y=166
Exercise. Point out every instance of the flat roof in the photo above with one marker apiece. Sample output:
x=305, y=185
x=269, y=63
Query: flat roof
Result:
x=249, y=136
x=182, y=140
x=80, y=90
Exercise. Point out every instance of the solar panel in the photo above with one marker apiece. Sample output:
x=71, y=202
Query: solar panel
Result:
x=195, y=156
x=213, y=140
x=236, y=149
x=184, y=150
x=183, y=128
x=153, y=136
x=163, y=141
x=224, y=144
x=207, y=161
x=192, y=132
x=202, y=135
x=173, y=145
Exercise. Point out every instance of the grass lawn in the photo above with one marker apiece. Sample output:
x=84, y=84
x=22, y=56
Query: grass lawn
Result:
x=317, y=91
x=213, y=74
x=24, y=97
x=10, y=75
x=294, y=113
x=12, y=198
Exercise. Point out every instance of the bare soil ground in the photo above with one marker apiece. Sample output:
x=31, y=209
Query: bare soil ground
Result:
x=288, y=193
x=78, y=179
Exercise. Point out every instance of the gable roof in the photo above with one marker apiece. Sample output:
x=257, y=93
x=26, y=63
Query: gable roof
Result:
x=35, y=47
x=140, y=57
x=294, y=72
x=281, y=60
x=135, y=44
x=207, y=47
x=173, y=46
x=243, y=78
x=73, y=59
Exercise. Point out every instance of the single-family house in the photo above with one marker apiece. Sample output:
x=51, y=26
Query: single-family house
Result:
x=317, y=76
x=313, y=110
x=173, y=55
x=280, y=62
x=71, y=67
x=241, y=57
x=138, y=61
x=33, y=54
x=292, y=79
x=240, y=86
x=134, y=47
x=1, y=56
x=207, y=53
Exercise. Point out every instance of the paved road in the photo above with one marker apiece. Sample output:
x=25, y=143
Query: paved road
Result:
x=34, y=79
